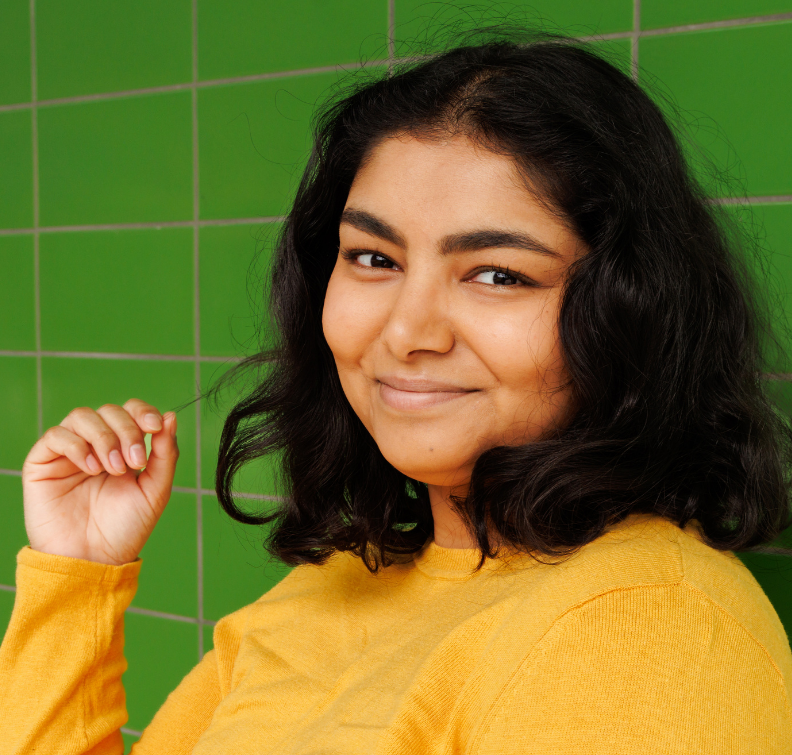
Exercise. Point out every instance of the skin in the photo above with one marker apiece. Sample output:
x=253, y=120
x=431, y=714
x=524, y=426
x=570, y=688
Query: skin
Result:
x=437, y=355
x=441, y=354
x=84, y=494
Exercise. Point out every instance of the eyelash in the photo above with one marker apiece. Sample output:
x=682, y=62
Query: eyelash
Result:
x=351, y=255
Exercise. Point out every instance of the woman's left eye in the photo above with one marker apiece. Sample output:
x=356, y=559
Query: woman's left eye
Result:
x=496, y=278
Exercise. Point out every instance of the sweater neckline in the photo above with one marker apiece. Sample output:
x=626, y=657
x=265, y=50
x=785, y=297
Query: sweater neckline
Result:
x=458, y=563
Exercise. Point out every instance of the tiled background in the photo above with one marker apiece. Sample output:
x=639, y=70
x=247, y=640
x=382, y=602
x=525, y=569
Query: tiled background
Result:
x=148, y=150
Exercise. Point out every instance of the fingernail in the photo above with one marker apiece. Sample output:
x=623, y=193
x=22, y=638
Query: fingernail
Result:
x=138, y=454
x=154, y=422
x=92, y=464
x=117, y=461
x=173, y=427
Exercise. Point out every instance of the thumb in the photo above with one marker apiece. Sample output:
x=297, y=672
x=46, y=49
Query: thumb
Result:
x=157, y=478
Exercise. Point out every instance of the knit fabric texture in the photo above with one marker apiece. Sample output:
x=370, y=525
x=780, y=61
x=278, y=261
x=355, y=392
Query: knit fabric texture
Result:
x=644, y=641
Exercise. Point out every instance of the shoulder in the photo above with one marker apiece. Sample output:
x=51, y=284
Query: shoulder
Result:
x=655, y=641
x=647, y=555
x=644, y=668
x=305, y=588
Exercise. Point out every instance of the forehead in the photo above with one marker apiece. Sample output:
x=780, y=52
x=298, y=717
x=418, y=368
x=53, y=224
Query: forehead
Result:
x=430, y=188
x=407, y=160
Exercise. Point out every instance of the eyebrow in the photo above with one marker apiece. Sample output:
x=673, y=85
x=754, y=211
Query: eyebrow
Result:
x=471, y=241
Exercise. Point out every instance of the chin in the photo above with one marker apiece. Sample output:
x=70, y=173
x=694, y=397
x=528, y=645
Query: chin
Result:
x=444, y=471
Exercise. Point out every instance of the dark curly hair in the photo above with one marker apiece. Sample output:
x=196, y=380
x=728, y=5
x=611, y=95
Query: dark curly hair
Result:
x=662, y=332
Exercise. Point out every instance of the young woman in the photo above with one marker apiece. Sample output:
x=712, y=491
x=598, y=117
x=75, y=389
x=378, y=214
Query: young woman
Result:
x=518, y=400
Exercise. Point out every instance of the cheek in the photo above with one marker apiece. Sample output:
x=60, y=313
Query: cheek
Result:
x=353, y=317
x=520, y=346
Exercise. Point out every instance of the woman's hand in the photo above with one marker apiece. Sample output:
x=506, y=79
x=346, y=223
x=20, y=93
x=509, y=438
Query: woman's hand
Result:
x=83, y=496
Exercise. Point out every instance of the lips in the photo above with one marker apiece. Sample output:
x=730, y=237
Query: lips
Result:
x=408, y=394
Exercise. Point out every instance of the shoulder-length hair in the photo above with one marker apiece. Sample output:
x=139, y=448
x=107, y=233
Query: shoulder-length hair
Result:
x=660, y=329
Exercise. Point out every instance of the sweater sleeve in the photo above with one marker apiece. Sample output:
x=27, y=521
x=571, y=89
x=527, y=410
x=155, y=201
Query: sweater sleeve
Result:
x=658, y=669
x=62, y=659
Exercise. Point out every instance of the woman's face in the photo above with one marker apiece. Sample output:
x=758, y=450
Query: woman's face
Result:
x=441, y=311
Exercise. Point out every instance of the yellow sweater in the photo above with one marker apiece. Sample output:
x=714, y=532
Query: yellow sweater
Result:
x=645, y=642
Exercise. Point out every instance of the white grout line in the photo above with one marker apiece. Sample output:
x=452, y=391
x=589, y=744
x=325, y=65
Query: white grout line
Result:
x=36, y=216
x=191, y=85
x=634, y=39
x=170, y=616
x=391, y=34
x=111, y=355
x=141, y=226
x=747, y=21
x=191, y=491
x=753, y=200
x=727, y=24
x=270, y=219
x=207, y=491
x=148, y=612
x=197, y=324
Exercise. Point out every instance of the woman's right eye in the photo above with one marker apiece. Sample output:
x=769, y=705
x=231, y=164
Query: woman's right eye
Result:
x=374, y=260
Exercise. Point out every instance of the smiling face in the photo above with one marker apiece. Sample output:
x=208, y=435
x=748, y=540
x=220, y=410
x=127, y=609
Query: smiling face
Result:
x=441, y=311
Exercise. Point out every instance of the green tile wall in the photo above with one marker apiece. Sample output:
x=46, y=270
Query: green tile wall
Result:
x=738, y=101
x=16, y=169
x=90, y=46
x=124, y=160
x=14, y=51
x=147, y=155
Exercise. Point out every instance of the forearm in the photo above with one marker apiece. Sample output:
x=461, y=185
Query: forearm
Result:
x=62, y=658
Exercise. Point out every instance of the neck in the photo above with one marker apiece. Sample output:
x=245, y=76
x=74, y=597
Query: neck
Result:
x=449, y=531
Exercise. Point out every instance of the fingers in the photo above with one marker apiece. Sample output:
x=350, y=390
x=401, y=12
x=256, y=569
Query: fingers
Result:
x=60, y=442
x=115, y=434
x=130, y=435
x=147, y=417
x=156, y=480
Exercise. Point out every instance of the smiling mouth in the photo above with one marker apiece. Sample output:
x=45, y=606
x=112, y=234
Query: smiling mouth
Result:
x=418, y=394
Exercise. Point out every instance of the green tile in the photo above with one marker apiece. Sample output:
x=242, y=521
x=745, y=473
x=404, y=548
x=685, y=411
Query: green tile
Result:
x=236, y=567
x=770, y=226
x=135, y=290
x=129, y=740
x=160, y=653
x=254, y=141
x=90, y=46
x=169, y=576
x=69, y=383
x=18, y=409
x=422, y=25
x=774, y=574
x=659, y=13
x=233, y=265
x=16, y=170
x=780, y=391
x=616, y=51
x=244, y=37
x=730, y=84
x=14, y=51
x=17, y=295
x=12, y=530
x=123, y=160
x=258, y=476
x=208, y=638
x=776, y=220
x=6, y=606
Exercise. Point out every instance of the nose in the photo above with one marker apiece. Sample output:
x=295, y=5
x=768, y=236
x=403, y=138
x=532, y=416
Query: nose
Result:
x=419, y=320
